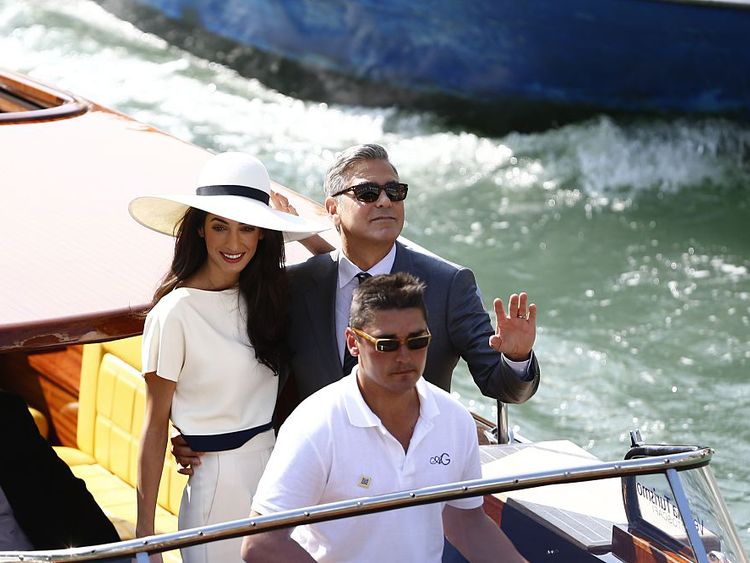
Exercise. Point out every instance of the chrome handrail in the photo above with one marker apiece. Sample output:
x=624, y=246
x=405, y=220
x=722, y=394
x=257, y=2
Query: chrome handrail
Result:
x=366, y=505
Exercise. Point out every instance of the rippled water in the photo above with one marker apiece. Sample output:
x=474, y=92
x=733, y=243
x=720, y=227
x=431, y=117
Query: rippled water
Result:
x=632, y=237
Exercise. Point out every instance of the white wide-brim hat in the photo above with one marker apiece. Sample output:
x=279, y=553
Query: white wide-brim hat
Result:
x=232, y=185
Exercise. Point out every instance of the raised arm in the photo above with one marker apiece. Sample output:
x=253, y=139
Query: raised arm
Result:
x=483, y=348
x=515, y=333
x=159, y=392
x=315, y=243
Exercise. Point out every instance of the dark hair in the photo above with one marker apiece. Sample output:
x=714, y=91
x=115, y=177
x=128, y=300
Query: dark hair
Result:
x=189, y=252
x=335, y=180
x=380, y=293
x=262, y=285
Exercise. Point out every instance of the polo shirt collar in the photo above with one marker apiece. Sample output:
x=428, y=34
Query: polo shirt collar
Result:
x=361, y=415
x=348, y=270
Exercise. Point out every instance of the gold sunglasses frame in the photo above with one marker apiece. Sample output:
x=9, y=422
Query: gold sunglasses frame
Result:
x=401, y=341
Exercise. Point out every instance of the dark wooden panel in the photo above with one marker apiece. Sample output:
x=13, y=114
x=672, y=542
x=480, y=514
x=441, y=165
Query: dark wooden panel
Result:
x=62, y=367
x=49, y=382
x=631, y=547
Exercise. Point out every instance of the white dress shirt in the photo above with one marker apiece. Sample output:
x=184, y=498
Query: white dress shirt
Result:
x=347, y=281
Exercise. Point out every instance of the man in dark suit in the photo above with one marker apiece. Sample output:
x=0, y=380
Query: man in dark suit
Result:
x=365, y=200
x=52, y=507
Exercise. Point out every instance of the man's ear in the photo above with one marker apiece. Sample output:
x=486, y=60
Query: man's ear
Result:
x=332, y=207
x=351, y=342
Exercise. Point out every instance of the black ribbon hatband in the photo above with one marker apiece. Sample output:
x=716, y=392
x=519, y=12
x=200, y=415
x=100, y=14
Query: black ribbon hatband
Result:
x=229, y=189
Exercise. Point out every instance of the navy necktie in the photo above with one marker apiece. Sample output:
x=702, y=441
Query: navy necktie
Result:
x=349, y=360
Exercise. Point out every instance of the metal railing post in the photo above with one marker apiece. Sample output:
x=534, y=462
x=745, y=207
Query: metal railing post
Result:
x=503, y=429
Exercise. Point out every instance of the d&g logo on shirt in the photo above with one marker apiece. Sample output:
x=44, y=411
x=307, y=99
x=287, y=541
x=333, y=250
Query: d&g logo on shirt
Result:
x=442, y=459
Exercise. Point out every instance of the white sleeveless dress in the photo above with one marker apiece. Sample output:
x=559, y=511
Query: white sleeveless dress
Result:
x=198, y=339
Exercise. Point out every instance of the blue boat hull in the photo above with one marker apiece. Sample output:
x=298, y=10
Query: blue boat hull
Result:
x=572, y=58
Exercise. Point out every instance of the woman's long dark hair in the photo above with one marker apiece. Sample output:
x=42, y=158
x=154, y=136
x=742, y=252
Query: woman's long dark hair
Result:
x=262, y=284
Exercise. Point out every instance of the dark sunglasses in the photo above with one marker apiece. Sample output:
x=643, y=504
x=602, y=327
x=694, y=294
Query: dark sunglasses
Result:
x=393, y=344
x=369, y=192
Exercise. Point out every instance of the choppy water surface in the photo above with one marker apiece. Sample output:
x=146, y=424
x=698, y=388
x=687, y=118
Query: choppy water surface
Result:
x=632, y=238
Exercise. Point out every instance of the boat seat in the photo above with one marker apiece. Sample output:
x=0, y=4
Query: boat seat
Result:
x=41, y=421
x=110, y=417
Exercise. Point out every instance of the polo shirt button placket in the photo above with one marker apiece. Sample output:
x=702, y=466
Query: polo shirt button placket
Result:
x=408, y=473
x=395, y=451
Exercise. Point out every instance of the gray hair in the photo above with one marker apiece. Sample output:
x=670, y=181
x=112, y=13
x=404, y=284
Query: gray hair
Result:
x=336, y=176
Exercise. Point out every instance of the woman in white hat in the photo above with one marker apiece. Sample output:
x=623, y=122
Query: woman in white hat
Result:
x=213, y=343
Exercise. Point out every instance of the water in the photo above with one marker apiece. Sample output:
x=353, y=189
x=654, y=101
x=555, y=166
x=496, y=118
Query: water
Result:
x=631, y=237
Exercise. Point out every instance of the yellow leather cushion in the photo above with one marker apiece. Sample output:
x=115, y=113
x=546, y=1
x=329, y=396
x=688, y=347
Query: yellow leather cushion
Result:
x=117, y=500
x=128, y=352
x=110, y=419
x=73, y=456
x=110, y=416
x=41, y=421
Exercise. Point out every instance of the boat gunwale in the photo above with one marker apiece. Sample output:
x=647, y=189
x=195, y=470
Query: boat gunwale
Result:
x=48, y=334
x=368, y=505
x=53, y=103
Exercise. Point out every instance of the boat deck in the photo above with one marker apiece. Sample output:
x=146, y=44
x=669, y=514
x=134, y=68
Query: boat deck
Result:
x=581, y=515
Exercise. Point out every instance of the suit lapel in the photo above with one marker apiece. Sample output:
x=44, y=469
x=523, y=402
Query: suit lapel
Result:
x=321, y=304
x=403, y=261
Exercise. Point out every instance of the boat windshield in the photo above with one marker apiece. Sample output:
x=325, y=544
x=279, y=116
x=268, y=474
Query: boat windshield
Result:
x=684, y=511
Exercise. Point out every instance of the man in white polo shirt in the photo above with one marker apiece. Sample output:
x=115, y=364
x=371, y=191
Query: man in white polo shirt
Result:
x=379, y=430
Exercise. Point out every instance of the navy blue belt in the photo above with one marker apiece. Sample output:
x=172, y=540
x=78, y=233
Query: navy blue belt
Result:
x=222, y=442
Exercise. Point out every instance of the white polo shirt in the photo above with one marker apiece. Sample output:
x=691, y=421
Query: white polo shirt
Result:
x=333, y=447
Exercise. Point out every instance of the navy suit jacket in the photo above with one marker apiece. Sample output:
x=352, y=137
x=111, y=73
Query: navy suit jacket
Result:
x=459, y=324
x=50, y=504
